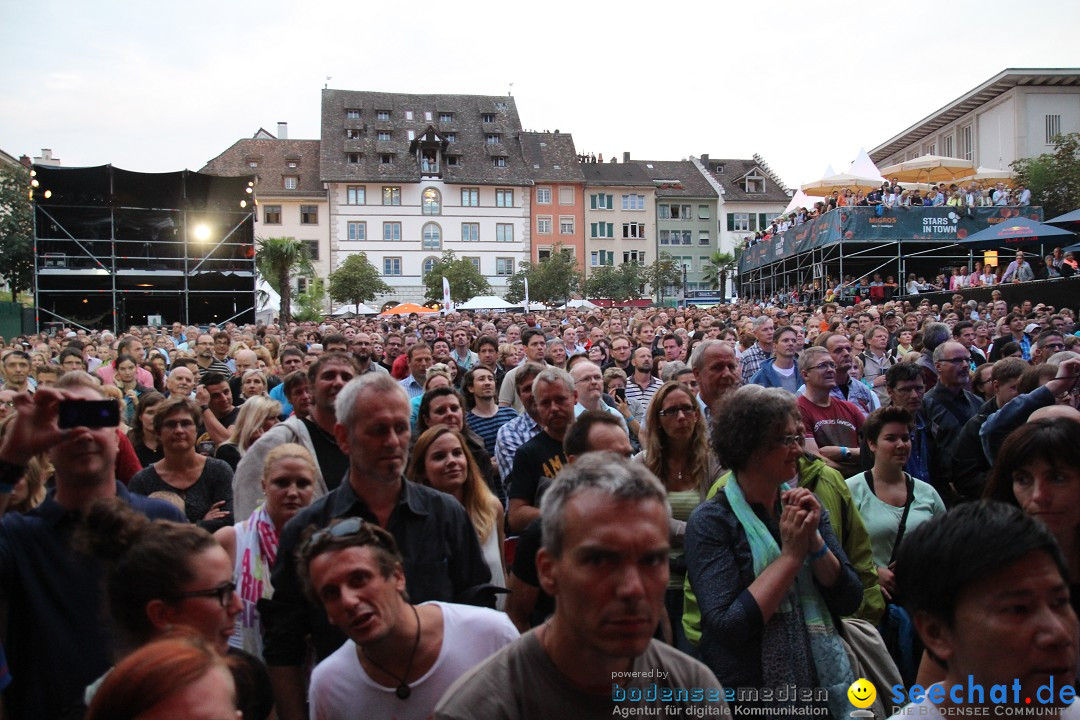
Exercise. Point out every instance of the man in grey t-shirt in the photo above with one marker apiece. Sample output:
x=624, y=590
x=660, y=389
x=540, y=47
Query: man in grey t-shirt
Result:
x=604, y=560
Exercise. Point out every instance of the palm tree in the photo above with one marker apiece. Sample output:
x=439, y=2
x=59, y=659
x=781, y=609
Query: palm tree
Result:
x=276, y=259
x=716, y=272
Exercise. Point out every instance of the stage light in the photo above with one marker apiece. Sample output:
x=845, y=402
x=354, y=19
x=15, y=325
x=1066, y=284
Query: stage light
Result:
x=48, y=194
x=33, y=173
x=202, y=232
x=243, y=203
x=249, y=190
x=34, y=183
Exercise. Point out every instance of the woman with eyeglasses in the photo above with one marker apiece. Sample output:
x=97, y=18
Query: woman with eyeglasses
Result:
x=204, y=484
x=161, y=576
x=768, y=571
x=676, y=450
x=890, y=501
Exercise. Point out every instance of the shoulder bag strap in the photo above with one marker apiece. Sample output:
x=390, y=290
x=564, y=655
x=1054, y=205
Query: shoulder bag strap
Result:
x=903, y=518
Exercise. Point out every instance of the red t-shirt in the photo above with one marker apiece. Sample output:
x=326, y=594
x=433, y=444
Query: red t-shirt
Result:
x=839, y=424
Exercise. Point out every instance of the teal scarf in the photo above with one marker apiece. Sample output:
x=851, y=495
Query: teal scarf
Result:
x=830, y=658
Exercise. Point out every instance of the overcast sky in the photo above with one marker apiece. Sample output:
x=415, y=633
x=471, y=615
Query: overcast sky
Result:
x=156, y=87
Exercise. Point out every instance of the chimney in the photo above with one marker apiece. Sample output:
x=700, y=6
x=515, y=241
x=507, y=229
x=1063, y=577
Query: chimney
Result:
x=704, y=159
x=282, y=130
x=626, y=157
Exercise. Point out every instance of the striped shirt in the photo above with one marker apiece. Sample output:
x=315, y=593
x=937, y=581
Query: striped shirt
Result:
x=642, y=394
x=488, y=427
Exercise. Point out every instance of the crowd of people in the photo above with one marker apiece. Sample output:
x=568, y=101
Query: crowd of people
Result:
x=559, y=514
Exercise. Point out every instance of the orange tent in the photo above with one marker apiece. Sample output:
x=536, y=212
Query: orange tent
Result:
x=406, y=308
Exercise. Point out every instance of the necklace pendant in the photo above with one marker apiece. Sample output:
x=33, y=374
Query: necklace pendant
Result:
x=403, y=691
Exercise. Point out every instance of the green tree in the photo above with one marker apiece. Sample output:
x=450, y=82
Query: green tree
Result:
x=465, y=280
x=556, y=279
x=312, y=302
x=357, y=281
x=1053, y=178
x=277, y=259
x=620, y=284
x=717, y=269
x=662, y=273
x=16, y=230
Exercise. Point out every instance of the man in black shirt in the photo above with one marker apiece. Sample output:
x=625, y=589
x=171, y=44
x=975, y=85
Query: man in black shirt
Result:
x=439, y=547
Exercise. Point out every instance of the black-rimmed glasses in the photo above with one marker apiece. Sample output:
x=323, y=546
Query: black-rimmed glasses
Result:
x=223, y=593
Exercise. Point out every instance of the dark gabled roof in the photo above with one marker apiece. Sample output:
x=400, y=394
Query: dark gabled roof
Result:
x=615, y=174
x=735, y=170
x=551, y=157
x=475, y=154
x=676, y=178
x=272, y=157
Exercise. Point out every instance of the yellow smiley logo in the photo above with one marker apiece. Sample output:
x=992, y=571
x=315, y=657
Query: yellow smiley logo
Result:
x=862, y=693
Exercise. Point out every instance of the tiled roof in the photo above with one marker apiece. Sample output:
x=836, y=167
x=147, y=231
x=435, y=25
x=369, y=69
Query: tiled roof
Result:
x=551, y=157
x=734, y=170
x=464, y=122
x=600, y=174
x=683, y=179
x=272, y=158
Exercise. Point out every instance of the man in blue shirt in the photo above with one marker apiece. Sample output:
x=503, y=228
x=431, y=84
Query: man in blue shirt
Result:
x=55, y=639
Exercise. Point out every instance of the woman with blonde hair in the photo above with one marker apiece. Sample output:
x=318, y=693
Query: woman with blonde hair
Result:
x=676, y=450
x=441, y=460
x=253, y=384
x=267, y=356
x=257, y=415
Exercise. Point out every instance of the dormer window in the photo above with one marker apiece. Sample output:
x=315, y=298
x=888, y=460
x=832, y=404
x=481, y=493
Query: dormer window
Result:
x=488, y=117
x=382, y=115
x=446, y=117
x=719, y=169
x=754, y=183
x=493, y=138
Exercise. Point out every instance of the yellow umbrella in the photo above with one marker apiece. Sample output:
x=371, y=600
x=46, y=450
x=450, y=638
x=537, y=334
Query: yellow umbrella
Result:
x=930, y=168
x=843, y=181
x=992, y=176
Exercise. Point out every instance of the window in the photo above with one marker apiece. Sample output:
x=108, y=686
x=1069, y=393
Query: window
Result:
x=452, y=160
x=665, y=237
x=432, y=236
x=566, y=195
x=446, y=117
x=567, y=226
x=411, y=134
x=703, y=237
x=499, y=162
x=357, y=231
x=602, y=230
x=352, y=134
x=504, y=266
x=253, y=163
x=408, y=114
x=663, y=212
x=391, y=266
x=687, y=237
x=754, y=184
x=291, y=182
x=391, y=196
x=451, y=137
x=493, y=138
x=427, y=116
x=292, y=164
x=703, y=212
x=352, y=158
x=309, y=214
x=383, y=136
x=967, y=151
x=386, y=159
x=313, y=249
x=382, y=115
x=675, y=237
x=355, y=195
x=429, y=265
x=633, y=230
x=601, y=202
x=600, y=258
x=931, y=149
x=470, y=197
x=272, y=214
x=391, y=231
x=431, y=202
x=739, y=222
x=543, y=196
x=633, y=202
x=634, y=256
x=543, y=224
x=719, y=169
x=947, y=146
x=1053, y=128
x=352, y=114
x=487, y=117
x=504, y=198
x=475, y=261
x=470, y=232
x=504, y=232
x=675, y=212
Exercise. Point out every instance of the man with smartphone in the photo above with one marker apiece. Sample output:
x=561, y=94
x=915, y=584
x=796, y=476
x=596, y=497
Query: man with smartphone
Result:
x=55, y=641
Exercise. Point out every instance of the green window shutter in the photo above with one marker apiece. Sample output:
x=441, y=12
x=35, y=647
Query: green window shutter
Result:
x=592, y=203
x=610, y=228
x=762, y=222
x=731, y=222
x=592, y=226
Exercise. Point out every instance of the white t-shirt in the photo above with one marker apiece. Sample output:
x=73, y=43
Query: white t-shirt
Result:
x=340, y=688
x=924, y=708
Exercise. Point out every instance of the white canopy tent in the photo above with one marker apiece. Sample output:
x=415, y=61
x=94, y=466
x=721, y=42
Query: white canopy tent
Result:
x=579, y=304
x=269, y=303
x=352, y=310
x=485, y=302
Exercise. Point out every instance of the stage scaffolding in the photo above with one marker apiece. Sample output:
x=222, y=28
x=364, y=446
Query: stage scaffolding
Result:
x=115, y=248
